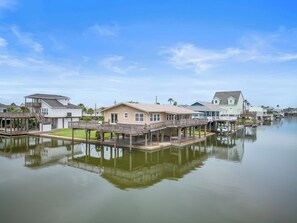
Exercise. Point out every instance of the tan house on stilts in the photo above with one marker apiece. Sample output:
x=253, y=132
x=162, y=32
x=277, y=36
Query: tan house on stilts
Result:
x=147, y=125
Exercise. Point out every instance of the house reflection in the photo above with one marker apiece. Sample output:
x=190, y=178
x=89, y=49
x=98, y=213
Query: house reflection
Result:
x=49, y=152
x=124, y=169
x=16, y=147
x=139, y=169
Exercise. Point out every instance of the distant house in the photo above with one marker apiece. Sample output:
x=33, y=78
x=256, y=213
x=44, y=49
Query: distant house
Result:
x=259, y=112
x=56, y=109
x=231, y=101
x=3, y=107
x=136, y=113
x=205, y=110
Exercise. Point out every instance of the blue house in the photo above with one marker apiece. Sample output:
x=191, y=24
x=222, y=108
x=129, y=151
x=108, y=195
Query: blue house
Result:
x=205, y=110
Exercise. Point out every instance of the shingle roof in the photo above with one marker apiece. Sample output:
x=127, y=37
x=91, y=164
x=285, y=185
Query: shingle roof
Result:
x=3, y=106
x=46, y=96
x=155, y=108
x=56, y=104
x=205, y=106
x=223, y=96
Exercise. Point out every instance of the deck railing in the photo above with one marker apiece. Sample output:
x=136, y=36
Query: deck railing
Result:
x=15, y=115
x=136, y=129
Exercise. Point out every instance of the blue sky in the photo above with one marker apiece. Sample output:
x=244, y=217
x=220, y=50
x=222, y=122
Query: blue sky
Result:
x=102, y=51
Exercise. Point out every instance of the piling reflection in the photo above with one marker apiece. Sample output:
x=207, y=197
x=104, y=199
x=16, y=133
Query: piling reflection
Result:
x=124, y=169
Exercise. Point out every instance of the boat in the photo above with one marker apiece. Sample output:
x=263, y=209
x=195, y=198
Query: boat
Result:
x=223, y=130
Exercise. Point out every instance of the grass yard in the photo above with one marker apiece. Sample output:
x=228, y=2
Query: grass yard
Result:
x=81, y=134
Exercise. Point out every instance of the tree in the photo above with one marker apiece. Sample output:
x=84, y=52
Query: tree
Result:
x=24, y=109
x=90, y=111
x=175, y=103
x=83, y=108
x=170, y=100
x=12, y=109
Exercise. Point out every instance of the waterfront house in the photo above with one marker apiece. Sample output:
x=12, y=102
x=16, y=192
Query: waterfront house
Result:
x=145, y=123
x=260, y=112
x=232, y=102
x=205, y=110
x=55, y=110
x=3, y=108
x=141, y=114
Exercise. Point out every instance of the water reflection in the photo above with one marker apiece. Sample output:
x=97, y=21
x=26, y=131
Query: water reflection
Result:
x=124, y=169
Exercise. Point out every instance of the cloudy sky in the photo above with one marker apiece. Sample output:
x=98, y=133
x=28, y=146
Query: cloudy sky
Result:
x=99, y=51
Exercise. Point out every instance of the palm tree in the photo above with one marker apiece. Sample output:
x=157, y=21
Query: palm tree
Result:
x=170, y=100
x=175, y=103
x=83, y=107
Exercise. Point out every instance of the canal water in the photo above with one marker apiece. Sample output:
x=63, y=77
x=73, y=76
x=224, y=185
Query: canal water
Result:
x=248, y=177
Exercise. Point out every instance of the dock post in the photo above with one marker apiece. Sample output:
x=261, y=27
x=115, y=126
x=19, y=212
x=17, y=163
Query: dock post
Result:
x=162, y=135
x=199, y=129
x=130, y=142
x=179, y=135
x=145, y=139
x=205, y=130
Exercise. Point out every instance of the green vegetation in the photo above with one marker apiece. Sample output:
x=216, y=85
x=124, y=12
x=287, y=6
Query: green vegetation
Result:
x=240, y=120
x=81, y=134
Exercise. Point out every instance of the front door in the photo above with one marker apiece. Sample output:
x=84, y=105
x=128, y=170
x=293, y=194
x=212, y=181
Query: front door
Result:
x=114, y=118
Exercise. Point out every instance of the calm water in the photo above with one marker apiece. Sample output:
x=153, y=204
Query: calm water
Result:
x=250, y=177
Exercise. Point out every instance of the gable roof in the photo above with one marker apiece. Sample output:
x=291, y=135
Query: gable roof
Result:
x=224, y=95
x=3, y=106
x=46, y=96
x=151, y=108
x=56, y=104
x=204, y=106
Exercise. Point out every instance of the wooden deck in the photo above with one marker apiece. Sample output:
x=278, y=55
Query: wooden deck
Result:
x=137, y=129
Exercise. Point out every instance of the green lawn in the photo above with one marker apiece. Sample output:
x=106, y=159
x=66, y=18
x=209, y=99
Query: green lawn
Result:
x=245, y=121
x=81, y=134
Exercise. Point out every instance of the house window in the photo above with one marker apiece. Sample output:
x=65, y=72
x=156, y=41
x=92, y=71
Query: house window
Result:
x=139, y=117
x=216, y=101
x=170, y=117
x=154, y=117
x=126, y=114
x=69, y=114
x=44, y=111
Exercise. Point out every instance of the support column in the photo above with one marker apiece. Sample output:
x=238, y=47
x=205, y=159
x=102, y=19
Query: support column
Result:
x=179, y=134
x=205, y=130
x=130, y=143
x=145, y=140
x=199, y=129
x=162, y=135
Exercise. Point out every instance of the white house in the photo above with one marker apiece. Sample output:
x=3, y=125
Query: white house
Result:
x=231, y=101
x=259, y=111
x=3, y=107
x=205, y=110
x=56, y=110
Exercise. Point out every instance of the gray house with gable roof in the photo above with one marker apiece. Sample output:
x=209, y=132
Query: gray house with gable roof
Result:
x=56, y=110
x=231, y=101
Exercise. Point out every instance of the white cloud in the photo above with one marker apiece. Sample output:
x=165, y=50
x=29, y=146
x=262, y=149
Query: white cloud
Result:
x=31, y=64
x=117, y=64
x=8, y=4
x=261, y=49
x=26, y=39
x=3, y=42
x=104, y=30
